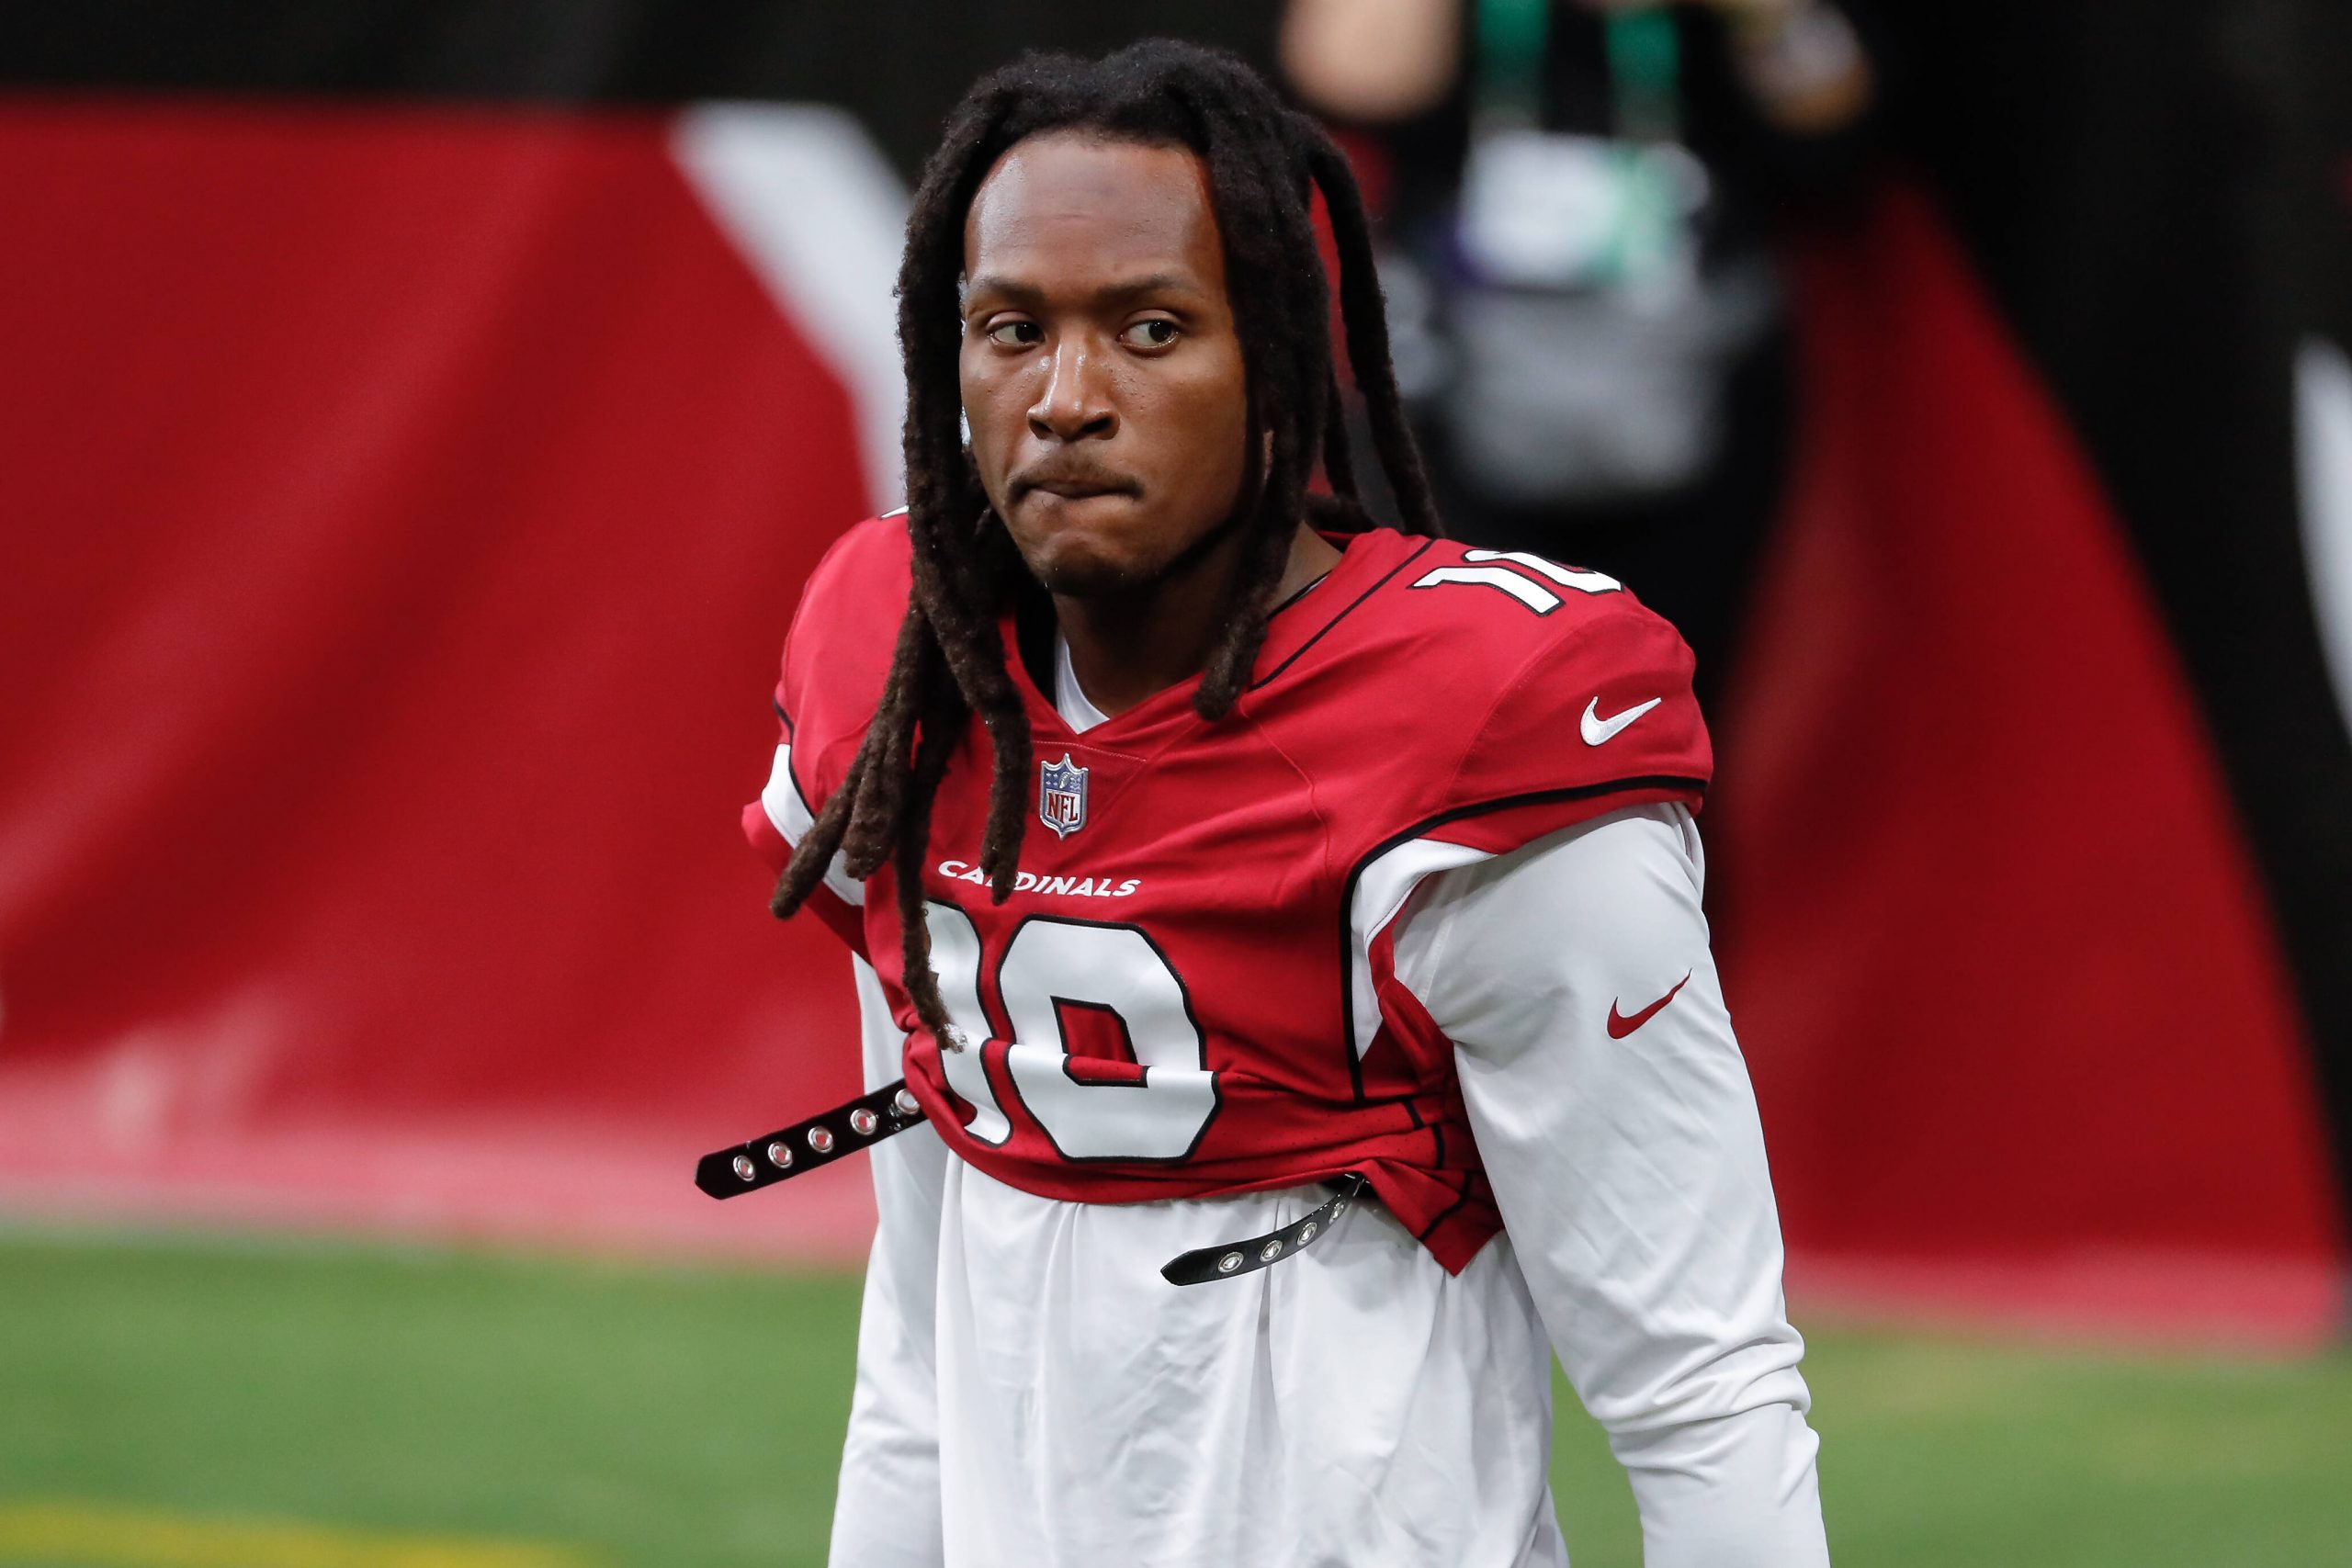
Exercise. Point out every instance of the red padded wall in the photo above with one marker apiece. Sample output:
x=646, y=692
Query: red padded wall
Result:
x=402, y=513
x=2013, y=1001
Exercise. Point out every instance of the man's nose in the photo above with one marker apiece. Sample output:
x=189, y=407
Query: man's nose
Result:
x=1076, y=402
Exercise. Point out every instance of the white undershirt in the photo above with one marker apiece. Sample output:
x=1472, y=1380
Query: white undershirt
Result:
x=1078, y=710
x=1031, y=1391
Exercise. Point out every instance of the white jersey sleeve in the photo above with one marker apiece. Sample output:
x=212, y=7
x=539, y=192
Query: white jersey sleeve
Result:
x=1623, y=1142
x=886, y=1511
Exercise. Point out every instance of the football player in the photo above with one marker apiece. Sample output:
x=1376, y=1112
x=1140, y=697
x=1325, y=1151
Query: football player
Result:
x=1218, y=866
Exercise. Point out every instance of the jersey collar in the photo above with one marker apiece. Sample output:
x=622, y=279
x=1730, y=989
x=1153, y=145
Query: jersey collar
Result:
x=1366, y=560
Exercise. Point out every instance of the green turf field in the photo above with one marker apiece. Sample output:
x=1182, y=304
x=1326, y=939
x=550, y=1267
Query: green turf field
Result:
x=211, y=1403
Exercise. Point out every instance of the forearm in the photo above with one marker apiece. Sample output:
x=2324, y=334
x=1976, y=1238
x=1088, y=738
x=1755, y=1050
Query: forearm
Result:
x=1621, y=1140
x=1372, y=60
x=1727, y=1492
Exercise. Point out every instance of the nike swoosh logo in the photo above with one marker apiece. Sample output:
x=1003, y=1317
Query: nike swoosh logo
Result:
x=1597, y=729
x=1621, y=1026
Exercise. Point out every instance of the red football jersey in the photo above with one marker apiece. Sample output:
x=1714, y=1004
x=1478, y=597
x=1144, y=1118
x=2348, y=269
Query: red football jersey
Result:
x=1190, y=991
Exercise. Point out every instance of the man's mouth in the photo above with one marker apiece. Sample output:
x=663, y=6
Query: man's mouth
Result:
x=1073, y=487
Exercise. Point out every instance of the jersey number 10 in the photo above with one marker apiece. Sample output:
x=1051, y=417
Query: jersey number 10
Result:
x=1050, y=963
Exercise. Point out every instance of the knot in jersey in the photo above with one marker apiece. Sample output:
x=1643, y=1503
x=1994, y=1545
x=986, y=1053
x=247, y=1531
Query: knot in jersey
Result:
x=1191, y=990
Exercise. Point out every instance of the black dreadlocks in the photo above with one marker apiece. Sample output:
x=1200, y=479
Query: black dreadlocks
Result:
x=1264, y=160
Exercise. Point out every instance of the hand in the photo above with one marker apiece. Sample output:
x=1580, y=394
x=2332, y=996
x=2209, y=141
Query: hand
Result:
x=1800, y=58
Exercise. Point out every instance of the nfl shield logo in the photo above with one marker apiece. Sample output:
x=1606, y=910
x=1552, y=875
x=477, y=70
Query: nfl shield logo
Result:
x=1061, y=796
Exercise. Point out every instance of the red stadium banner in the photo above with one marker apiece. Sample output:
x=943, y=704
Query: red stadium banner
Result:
x=404, y=507
x=403, y=511
x=2024, y=1038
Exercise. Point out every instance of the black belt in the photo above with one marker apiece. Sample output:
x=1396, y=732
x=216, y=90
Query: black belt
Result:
x=870, y=1118
x=805, y=1145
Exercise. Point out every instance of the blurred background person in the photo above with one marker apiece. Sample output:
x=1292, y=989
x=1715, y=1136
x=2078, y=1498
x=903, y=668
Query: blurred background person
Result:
x=1582, y=200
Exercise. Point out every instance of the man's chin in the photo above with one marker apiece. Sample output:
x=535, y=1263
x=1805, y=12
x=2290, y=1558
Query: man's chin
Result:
x=1080, y=574
x=1083, y=549
x=1111, y=549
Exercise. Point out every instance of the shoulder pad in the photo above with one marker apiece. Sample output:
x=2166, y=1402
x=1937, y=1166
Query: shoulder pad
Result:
x=837, y=655
x=1601, y=703
x=1517, y=697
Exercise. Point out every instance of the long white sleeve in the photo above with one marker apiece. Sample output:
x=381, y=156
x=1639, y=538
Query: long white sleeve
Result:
x=887, y=1512
x=1631, y=1172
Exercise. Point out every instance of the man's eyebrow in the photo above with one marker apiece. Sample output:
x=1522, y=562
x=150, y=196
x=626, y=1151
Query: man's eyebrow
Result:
x=1149, y=283
x=1011, y=290
x=1028, y=296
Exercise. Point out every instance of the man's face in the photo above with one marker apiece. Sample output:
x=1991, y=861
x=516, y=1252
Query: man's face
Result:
x=1101, y=374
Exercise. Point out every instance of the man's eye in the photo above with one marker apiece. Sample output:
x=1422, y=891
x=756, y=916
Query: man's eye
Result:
x=1015, y=335
x=1155, y=333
